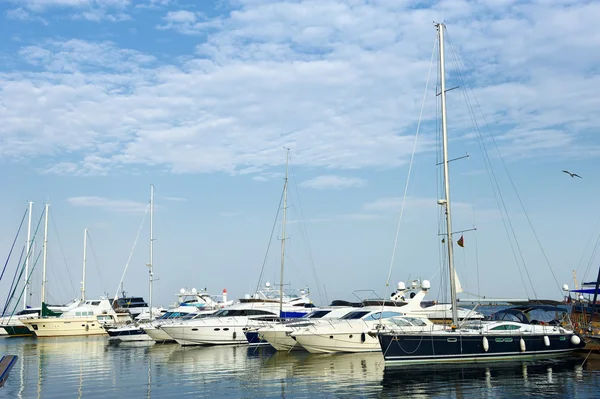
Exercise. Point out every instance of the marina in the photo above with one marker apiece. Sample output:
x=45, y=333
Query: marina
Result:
x=424, y=193
x=89, y=367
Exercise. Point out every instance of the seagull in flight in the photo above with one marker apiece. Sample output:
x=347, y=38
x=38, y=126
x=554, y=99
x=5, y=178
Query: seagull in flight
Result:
x=572, y=174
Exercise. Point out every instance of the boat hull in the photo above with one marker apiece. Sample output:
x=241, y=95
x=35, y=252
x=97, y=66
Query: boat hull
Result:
x=255, y=339
x=68, y=327
x=17, y=331
x=280, y=340
x=158, y=335
x=207, y=335
x=338, y=342
x=128, y=334
x=451, y=348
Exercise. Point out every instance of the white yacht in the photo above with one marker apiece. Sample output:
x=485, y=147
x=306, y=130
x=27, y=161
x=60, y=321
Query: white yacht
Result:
x=278, y=334
x=191, y=304
x=350, y=333
x=89, y=318
x=227, y=326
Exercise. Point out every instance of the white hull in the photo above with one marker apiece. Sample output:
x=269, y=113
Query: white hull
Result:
x=67, y=327
x=2, y=332
x=132, y=338
x=206, y=335
x=279, y=339
x=349, y=342
x=158, y=334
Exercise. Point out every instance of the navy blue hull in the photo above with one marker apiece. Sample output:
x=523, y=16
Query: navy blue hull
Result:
x=122, y=333
x=254, y=339
x=436, y=348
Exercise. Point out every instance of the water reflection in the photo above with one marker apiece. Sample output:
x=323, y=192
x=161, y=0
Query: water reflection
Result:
x=87, y=367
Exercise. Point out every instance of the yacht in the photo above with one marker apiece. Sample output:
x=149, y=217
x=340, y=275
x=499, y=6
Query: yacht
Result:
x=496, y=339
x=89, y=318
x=350, y=333
x=227, y=326
x=13, y=327
x=192, y=304
x=278, y=334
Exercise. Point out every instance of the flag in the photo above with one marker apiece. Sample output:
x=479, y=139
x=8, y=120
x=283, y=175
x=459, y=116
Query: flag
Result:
x=461, y=241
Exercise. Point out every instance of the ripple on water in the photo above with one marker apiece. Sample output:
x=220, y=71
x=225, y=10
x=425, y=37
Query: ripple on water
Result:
x=89, y=367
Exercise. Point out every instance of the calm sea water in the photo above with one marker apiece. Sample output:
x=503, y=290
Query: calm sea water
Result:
x=91, y=368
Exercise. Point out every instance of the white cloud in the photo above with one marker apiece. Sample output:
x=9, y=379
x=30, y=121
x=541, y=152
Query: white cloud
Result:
x=339, y=84
x=21, y=14
x=333, y=182
x=91, y=10
x=108, y=204
x=174, y=199
x=188, y=22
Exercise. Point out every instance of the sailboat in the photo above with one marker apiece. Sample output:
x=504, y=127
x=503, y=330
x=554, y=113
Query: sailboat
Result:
x=229, y=326
x=135, y=332
x=498, y=339
x=87, y=318
x=10, y=322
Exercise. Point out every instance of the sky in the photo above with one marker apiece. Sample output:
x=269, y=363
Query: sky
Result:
x=99, y=99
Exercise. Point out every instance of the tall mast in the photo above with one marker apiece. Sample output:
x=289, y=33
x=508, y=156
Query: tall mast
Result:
x=151, y=264
x=446, y=200
x=287, y=158
x=46, y=206
x=28, y=254
x=84, y=263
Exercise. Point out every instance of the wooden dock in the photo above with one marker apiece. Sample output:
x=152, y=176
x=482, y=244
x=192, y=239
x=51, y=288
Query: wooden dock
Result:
x=6, y=364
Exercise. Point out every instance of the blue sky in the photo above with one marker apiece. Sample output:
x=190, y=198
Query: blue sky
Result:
x=100, y=99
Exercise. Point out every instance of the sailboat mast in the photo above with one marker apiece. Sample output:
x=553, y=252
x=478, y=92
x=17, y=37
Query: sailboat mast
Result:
x=285, y=185
x=28, y=254
x=151, y=264
x=446, y=201
x=46, y=206
x=84, y=263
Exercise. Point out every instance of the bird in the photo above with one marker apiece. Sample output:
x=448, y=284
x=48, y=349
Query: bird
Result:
x=572, y=174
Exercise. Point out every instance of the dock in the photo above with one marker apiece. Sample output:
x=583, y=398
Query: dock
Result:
x=6, y=364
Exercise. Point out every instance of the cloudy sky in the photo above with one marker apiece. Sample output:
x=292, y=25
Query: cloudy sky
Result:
x=101, y=98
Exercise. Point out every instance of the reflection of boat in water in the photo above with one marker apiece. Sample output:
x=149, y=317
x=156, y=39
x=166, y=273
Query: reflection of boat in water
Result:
x=535, y=379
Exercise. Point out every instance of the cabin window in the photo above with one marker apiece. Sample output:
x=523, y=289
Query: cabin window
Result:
x=401, y=322
x=382, y=315
x=95, y=303
x=505, y=327
x=416, y=322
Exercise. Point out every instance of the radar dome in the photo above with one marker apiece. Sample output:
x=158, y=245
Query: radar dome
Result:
x=267, y=284
x=182, y=291
x=194, y=291
x=426, y=284
x=565, y=287
x=401, y=285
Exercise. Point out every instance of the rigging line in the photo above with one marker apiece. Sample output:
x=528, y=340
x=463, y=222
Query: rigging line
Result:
x=14, y=242
x=412, y=157
x=96, y=263
x=518, y=196
x=442, y=294
x=63, y=255
x=487, y=162
x=305, y=233
x=593, y=255
x=270, y=240
x=131, y=253
x=28, y=277
x=586, y=248
x=13, y=287
x=476, y=240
